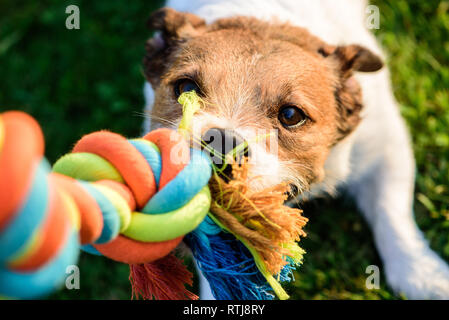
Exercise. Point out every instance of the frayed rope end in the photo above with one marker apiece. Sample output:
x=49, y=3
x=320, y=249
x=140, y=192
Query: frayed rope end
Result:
x=164, y=279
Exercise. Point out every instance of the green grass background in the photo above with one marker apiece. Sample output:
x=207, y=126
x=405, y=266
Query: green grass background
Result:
x=78, y=81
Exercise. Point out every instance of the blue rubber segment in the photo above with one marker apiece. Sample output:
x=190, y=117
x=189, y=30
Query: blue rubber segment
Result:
x=29, y=218
x=91, y=249
x=183, y=187
x=111, y=218
x=43, y=281
x=151, y=156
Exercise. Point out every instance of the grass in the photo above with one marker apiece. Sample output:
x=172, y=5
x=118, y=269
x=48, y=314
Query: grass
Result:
x=78, y=81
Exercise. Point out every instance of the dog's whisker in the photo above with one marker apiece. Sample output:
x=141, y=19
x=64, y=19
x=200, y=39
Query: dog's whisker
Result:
x=161, y=120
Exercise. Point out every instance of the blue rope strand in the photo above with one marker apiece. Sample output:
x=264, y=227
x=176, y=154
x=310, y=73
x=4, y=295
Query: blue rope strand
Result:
x=229, y=266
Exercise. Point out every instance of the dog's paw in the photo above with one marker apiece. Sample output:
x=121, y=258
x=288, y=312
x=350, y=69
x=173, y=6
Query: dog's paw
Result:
x=422, y=275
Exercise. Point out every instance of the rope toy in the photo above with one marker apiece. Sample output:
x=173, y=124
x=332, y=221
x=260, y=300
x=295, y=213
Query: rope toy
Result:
x=134, y=201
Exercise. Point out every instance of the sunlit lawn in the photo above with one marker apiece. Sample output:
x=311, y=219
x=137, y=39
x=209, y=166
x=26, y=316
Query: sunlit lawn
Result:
x=79, y=81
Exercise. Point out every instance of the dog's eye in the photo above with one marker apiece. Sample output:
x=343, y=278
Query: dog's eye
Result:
x=291, y=116
x=185, y=85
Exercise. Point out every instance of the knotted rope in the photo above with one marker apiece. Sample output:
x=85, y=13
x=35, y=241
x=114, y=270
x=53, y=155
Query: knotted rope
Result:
x=133, y=201
x=130, y=200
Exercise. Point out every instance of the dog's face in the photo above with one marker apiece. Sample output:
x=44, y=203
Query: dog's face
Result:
x=271, y=83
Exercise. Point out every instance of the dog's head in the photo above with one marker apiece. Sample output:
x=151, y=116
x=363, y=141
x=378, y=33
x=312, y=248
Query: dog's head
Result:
x=259, y=80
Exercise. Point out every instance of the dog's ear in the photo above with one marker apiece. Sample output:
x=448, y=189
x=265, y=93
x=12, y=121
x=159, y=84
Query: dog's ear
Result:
x=172, y=28
x=355, y=58
x=175, y=25
x=348, y=94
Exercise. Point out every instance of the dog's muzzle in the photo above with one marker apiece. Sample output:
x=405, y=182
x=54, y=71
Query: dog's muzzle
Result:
x=225, y=146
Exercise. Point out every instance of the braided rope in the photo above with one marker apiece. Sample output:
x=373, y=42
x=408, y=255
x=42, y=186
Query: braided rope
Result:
x=129, y=200
x=133, y=201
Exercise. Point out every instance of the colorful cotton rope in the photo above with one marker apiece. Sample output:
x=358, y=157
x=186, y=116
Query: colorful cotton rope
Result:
x=133, y=201
x=129, y=200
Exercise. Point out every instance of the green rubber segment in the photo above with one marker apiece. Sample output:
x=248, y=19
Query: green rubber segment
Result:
x=86, y=166
x=170, y=225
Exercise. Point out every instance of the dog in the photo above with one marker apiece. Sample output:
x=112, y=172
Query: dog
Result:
x=312, y=72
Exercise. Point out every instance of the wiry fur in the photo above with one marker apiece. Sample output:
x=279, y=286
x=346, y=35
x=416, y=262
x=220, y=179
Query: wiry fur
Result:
x=372, y=158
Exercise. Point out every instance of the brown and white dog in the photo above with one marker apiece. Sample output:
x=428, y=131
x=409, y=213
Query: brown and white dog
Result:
x=311, y=72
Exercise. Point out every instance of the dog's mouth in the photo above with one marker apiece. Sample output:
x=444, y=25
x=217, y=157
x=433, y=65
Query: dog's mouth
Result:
x=228, y=152
x=224, y=165
x=225, y=150
x=225, y=172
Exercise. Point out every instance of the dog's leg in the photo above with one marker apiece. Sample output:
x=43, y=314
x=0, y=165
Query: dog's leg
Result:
x=385, y=197
x=205, y=290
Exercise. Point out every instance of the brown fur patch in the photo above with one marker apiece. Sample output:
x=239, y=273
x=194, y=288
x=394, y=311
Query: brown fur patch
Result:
x=248, y=69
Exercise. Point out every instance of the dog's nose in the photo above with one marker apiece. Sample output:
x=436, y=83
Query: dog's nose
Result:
x=220, y=143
